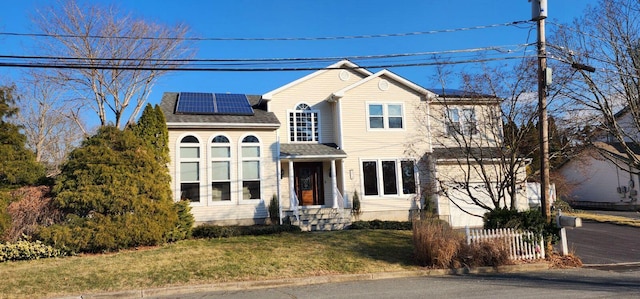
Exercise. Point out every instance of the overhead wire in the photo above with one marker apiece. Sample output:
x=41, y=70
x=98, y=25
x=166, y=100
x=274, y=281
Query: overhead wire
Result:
x=243, y=69
x=457, y=56
x=366, y=36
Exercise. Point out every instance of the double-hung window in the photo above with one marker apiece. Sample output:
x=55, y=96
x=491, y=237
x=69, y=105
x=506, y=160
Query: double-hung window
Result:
x=220, y=169
x=461, y=121
x=190, y=169
x=385, y=116
x=388, y=177
x=470, y=123
x=303, y=124
x=250, y=151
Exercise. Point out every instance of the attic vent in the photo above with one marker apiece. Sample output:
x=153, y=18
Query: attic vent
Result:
x=344, y=75
x=383, y=84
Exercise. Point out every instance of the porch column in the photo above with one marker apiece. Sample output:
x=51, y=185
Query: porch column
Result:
x=292, y=191
x=334, y=185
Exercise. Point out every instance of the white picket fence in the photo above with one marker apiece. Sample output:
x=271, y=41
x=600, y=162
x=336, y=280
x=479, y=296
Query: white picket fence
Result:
x=522, y=245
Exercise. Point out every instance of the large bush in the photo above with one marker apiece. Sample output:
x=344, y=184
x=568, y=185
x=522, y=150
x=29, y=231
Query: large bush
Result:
x=18, y=166
x=115, y=194
x=529, y=220
x=5, y=219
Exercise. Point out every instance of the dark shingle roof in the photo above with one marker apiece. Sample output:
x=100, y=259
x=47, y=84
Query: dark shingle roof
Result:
x=463, y=152
x=616, y=149
x=459, y=93
x=310, y=150
x=261, y=118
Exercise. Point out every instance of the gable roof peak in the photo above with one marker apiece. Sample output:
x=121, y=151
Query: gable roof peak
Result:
x=342, y=64
x=419, y=89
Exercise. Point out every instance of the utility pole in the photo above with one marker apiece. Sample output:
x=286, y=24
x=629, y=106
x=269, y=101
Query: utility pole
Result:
x=539, y=14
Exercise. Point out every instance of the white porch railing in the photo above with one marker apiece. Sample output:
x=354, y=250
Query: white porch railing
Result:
x=338, y=198
x=522, y=245
x=294, y=203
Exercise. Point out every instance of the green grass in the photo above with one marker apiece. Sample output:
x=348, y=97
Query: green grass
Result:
x=585, y=215
x=210, y=261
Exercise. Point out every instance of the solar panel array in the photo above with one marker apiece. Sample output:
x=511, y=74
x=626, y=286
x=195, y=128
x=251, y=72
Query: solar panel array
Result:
x=210, y=103
x=236, y=104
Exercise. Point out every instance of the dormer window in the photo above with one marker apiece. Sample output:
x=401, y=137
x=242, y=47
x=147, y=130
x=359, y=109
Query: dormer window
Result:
x=303, y=124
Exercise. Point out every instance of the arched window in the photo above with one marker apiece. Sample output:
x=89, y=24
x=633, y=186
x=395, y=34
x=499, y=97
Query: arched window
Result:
x=250, y=167
x=220, y=169
x=303, y=124
x=190, y=168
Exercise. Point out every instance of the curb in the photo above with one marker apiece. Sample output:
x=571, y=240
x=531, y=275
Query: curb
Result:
x=264, y=284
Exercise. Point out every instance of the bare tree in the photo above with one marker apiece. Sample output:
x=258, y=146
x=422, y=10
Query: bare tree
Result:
x=606, y=38
x=479, y=137
x=134, y=51
x=47, y=121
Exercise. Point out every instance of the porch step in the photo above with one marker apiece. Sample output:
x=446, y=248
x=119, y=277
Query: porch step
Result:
x=321, y=219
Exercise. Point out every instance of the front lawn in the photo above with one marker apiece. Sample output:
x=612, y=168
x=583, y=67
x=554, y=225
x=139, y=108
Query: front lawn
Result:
x=210, y=261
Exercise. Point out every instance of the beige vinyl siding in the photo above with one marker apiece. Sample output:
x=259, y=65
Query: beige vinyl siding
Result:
x=207, y=210
x=361, y=143
x=451, y=172
x=489, y=130
x=314, y=93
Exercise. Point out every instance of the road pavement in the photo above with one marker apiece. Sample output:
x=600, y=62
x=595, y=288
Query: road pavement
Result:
x=604, y=243
x=572, y=283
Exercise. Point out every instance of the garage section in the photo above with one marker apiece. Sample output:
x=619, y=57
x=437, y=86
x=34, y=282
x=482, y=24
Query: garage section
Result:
x=464, y=212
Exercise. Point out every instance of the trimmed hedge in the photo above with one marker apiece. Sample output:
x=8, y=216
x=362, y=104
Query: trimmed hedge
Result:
x=25, y=250
x=379, y=224
x=214, y=231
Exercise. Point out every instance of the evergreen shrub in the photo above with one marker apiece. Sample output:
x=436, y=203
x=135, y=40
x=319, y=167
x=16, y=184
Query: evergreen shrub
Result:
x=214, y=231
x=380, y=224
x=115, y=194
x=529, y=220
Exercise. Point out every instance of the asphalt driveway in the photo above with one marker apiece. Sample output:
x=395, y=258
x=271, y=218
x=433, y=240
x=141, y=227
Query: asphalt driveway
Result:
x=604, y=243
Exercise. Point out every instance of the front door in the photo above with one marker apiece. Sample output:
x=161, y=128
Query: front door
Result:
x=308, y=178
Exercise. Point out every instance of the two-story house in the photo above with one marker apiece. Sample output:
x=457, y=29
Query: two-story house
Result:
x=314, y=144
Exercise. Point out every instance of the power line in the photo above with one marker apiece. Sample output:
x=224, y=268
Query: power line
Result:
x=498, y=49
x=367, y=36
x=240, y=69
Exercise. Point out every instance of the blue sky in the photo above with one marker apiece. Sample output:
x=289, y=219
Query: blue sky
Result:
x=327, y=18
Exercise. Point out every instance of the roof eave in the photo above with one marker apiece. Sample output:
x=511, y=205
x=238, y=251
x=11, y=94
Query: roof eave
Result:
x=312, y=157
x=201, y=125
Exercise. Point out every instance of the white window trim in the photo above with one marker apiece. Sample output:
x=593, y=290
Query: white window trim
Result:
x=294, y=111
x=380, y=180
x=232, y=170
x=240, y=179
x=385, y=116
x=201, y=170
x=461, y=120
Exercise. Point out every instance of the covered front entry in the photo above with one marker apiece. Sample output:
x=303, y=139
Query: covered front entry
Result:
x=309, y=183
x=313, y=179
